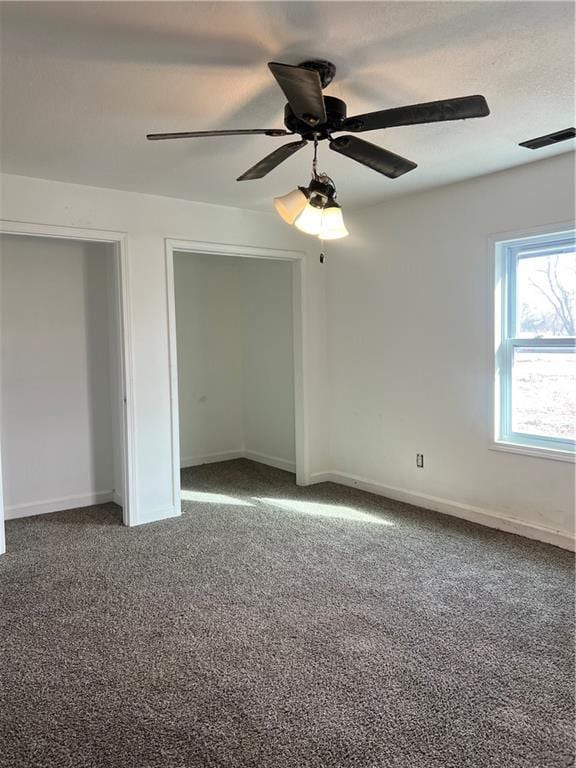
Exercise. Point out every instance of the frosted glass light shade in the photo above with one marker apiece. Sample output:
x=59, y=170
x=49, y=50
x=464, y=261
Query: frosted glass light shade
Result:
x=332, y=226
x=310, y=220
x=291, y=205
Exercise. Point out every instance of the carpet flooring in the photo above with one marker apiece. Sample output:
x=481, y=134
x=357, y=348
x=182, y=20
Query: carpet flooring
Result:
x=281, y=627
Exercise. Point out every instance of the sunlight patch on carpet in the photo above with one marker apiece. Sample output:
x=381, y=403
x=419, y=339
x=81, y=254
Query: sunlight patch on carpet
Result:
x=214, y=498
x=326, y=510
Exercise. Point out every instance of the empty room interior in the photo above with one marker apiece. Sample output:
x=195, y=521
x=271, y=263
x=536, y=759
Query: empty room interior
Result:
x=287, y=384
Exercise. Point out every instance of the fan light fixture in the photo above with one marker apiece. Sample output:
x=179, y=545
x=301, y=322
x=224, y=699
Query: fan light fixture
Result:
x=312, y=213
x=313, y=209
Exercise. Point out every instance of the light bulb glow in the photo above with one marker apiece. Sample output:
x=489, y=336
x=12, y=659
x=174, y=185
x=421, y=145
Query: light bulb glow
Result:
x=332, y=225
x=291, y=205
x=310, y=220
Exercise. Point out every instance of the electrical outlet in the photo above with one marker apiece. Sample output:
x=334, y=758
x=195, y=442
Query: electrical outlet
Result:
x=420, y=460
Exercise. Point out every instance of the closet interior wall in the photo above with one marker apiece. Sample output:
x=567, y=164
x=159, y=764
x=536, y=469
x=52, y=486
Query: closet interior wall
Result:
x=60, y=390
x=234, y=330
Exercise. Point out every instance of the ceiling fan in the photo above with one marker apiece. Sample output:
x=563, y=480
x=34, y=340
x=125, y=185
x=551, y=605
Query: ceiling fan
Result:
x=315, y=117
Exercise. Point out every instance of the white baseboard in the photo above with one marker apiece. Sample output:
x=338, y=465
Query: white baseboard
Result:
x=211, y=458
x=117, y=499
x=57, y=505
x=487, y=517
x=261, y=458
x=271, y=461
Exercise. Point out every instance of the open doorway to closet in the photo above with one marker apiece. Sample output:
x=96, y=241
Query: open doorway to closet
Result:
x=239, y=371
x=62, y=393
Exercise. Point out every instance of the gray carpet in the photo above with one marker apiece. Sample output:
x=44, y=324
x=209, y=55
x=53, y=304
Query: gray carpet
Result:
x=282, y=628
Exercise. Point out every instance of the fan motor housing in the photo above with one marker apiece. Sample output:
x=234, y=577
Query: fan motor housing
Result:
x=325, y=69
x=335, y=115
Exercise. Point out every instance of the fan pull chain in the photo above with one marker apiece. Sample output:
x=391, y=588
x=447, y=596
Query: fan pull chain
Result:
x=315, y=159
x=322, y=252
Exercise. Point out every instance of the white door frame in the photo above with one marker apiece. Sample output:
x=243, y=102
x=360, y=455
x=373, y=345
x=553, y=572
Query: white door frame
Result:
x=298, y=323
x=119, y=241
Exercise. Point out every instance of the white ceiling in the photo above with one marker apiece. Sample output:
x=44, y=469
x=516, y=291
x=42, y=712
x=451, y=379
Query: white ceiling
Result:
x=82, y=83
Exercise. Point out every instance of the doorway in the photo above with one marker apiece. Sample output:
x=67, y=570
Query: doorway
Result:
x=237, y=329
x=62, y=377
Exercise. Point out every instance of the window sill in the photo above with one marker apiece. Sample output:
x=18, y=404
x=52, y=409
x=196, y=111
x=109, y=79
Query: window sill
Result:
x=532, y=450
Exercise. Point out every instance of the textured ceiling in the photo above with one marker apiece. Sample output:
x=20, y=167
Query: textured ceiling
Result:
x=83, y=82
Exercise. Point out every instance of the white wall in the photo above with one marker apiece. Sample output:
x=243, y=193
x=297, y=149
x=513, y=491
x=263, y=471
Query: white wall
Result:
x=410, y=313
x=209, y=339
x=235, y=358
x=56, y=388
x=147, y=220
x=268, y=358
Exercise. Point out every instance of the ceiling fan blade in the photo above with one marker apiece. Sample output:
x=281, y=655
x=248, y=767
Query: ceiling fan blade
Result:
x=414, y=114
x=196, y=134
x=374, y=157
x=303, y=89
x=270, y=162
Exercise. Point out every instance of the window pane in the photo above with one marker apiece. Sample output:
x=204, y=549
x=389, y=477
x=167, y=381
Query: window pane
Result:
x=546, y=295
x=544, y=393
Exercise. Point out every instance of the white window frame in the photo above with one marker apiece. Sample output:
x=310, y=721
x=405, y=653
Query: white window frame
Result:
x=506, y=342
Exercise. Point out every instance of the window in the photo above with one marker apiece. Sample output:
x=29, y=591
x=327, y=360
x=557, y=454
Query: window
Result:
x=535, y=344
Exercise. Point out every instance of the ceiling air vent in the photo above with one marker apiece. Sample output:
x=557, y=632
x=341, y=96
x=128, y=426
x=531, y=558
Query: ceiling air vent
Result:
x=550, y=138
